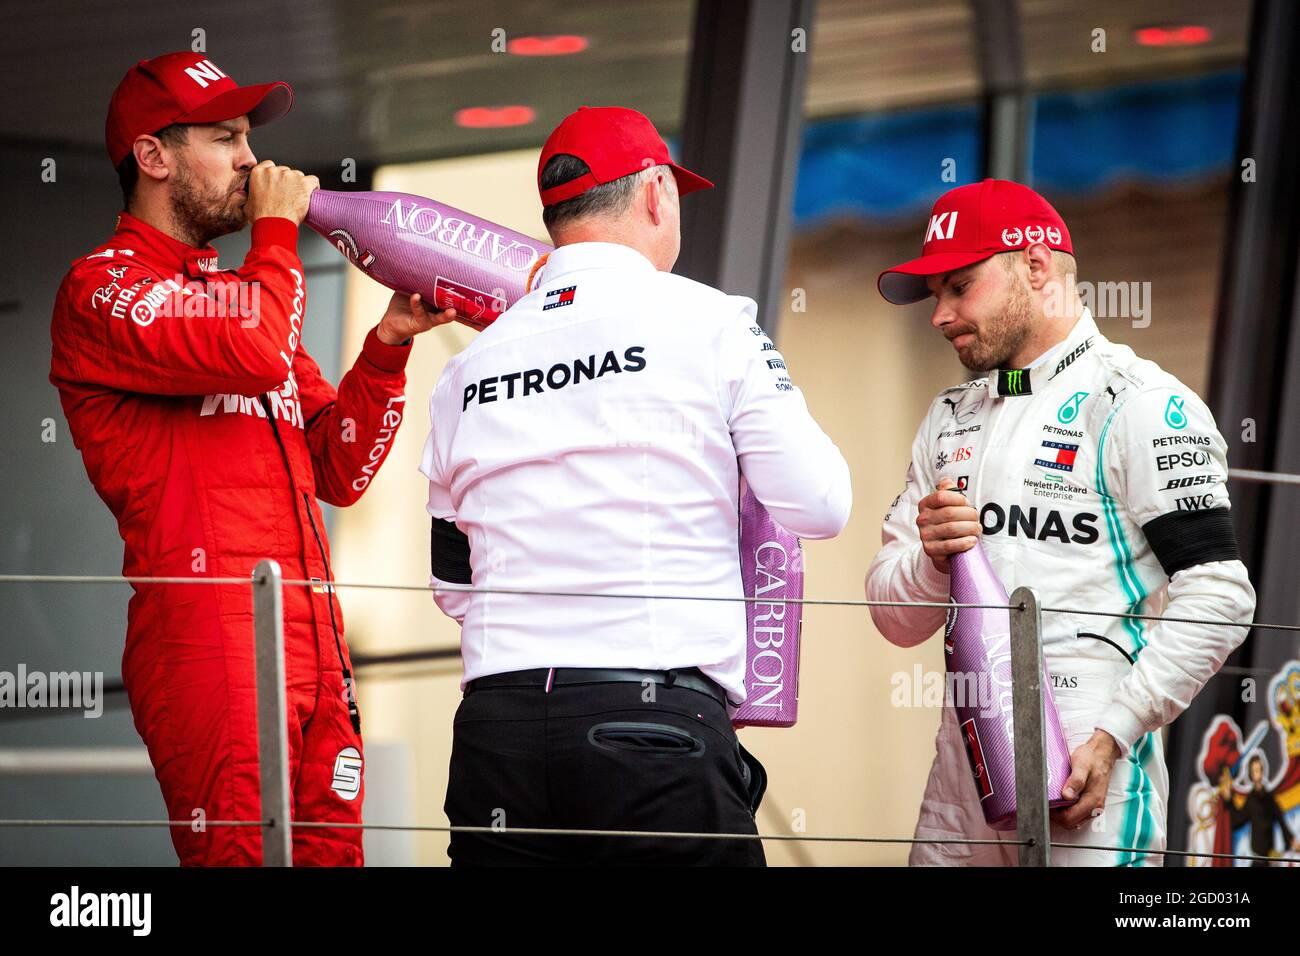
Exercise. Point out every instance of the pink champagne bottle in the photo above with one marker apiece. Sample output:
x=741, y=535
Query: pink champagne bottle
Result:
x=412, y=244
x=771, y=567
x=456, y=260
x=977, y=650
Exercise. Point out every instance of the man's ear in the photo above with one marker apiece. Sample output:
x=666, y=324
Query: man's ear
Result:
x=1038, y=257
x=654, y=199
x=151, y=159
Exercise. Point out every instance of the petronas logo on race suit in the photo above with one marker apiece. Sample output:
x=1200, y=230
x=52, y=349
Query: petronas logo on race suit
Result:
x=1175, y=417
x=1069, y=409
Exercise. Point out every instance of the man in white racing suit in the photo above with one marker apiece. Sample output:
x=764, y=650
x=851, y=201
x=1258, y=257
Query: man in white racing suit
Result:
x=1092, y=476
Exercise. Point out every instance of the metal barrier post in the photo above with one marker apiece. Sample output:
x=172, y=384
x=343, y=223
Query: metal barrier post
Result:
x=272, y=710
x=1032, y=821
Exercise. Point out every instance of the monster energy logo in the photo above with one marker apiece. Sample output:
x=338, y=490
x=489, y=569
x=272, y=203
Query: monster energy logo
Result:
x=1014, y=382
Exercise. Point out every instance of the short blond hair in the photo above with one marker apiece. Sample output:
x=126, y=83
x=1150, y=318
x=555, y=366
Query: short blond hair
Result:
x=1063, y=264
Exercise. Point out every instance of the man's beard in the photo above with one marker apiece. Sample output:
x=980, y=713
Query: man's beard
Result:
x=1001, y=336
x=200, y=215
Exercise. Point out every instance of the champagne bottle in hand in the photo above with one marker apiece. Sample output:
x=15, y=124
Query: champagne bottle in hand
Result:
x=977, y=653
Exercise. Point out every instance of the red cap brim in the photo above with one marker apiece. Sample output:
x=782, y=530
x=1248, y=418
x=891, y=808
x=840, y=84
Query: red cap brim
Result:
x=905, y=284
x=262, y=103
x=687, y=181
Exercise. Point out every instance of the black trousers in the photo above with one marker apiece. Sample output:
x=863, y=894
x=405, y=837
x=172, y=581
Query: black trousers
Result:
x=601, y=757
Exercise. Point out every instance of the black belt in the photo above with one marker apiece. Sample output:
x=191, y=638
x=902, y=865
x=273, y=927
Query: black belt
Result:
x=545, y=678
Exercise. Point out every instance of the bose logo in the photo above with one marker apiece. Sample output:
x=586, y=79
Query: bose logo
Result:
x=936, y=229
x=204, y=72
x=1190, y=481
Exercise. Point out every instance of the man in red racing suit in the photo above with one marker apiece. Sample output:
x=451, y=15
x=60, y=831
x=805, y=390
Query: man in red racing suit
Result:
x=210, y=433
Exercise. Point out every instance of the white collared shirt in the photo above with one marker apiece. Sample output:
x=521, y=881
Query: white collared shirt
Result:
x=592, y=440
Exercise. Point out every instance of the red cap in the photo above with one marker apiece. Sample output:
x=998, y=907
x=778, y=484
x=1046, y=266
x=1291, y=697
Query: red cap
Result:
x=970, y=223
x=614, y=142
x=184, y=88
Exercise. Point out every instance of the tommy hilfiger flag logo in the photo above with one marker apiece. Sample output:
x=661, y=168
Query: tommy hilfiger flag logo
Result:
x=1064, y=456
x=558, y=297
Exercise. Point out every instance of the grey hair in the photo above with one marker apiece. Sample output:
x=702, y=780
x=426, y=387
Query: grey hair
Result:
x=609, y=198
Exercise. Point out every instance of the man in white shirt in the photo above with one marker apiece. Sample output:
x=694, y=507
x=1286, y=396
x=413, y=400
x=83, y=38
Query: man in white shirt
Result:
x=592, y=440
x=1091, y=475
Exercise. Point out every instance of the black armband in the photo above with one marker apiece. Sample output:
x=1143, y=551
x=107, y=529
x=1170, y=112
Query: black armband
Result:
x=449, y=552
x=1184, y=539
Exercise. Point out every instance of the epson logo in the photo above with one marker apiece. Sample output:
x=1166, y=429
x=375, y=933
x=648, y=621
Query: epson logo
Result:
x=1185, y=459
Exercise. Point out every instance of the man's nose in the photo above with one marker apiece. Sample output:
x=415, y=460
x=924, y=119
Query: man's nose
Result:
x=247, y=161
x=942, y=315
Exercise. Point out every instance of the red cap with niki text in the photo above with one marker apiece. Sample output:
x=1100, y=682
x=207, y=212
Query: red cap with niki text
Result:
x=969, y=224
x=614, y=142
x=184, y=87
